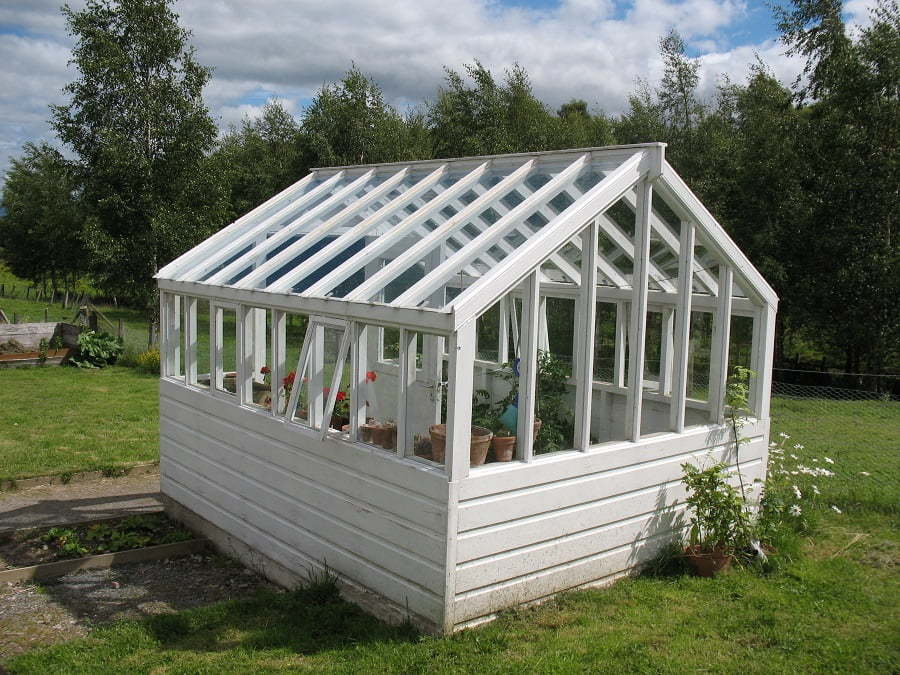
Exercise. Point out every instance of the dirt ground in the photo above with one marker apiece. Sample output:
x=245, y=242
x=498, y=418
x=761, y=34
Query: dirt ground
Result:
x=33, y=615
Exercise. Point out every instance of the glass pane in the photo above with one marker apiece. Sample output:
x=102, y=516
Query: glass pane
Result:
x=225, y=357
x=699, y=353
x=202, y=332
x=426, y=401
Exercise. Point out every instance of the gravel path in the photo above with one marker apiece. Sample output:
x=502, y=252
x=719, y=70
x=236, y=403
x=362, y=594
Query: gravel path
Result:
x=58, y=504
x=38, y=615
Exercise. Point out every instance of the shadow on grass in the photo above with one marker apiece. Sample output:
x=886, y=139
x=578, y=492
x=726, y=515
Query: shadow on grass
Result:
x=303, y=621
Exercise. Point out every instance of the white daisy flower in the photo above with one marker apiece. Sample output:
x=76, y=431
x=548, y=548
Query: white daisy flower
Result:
x=795, y=510
x=829, y=460
x=864, y=473
x=835, y=509
x=797, y=491
x=815, y=490
x=783, y=435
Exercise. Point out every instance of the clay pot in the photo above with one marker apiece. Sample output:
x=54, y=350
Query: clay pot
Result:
x=377, y=434
x=537, y=428
x=504, y=448
x=707, y=563
x=389, y=436
x=478, y=446
x=438, y=434
x=365, y=432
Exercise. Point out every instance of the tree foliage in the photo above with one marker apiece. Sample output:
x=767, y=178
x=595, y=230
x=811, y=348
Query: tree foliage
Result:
x=41, y=233
x=140, y=131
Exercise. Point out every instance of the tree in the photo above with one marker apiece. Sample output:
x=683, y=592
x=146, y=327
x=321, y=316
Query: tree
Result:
x=262, y=157
x=41, y=234
x=140, y=131
x=350, y=123
x=852, y=176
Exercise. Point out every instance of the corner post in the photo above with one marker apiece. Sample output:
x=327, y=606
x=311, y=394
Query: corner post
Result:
x=638, y=328
x=587, y=305
x=459, y=402
x=683, y=326
x=528, y=365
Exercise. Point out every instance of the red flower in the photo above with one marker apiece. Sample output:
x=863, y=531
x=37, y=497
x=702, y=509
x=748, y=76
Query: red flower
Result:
x=289, y=380
x=341, y=396
x=370, y=376
x=265, y=370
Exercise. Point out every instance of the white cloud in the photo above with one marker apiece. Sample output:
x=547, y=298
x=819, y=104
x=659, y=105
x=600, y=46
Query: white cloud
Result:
x=593, y=49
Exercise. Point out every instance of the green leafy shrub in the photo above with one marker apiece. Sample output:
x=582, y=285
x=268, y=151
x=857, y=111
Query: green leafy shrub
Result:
x=97, y=350
x=719, y=520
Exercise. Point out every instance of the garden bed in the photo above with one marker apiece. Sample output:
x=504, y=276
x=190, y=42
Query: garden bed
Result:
x=49, y=552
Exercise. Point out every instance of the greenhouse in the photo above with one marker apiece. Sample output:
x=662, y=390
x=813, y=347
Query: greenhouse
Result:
x=463, y=384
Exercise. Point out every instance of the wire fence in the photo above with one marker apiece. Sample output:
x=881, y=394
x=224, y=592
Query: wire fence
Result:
x=855, y=433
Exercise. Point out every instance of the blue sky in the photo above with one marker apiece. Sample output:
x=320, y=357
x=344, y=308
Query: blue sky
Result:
x=287, y=49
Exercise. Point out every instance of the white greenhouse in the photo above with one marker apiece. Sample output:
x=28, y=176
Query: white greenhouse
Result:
x=464, y=384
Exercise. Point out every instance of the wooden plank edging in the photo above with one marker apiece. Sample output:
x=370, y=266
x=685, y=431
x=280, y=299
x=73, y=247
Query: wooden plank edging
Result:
x=142, y=469
x=53, y=570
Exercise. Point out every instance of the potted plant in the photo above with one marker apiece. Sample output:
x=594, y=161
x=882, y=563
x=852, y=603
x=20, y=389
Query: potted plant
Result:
x=720, y=523
x=341, y=414
x=503, y=445
x=478, y=444
x=367, y=429
x=388, y=435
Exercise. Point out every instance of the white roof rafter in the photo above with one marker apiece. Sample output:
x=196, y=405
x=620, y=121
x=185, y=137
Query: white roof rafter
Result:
x=504, y=216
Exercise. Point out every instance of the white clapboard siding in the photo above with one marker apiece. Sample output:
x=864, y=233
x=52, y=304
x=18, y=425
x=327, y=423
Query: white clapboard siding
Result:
x=301, y=501
x=594, y=569
x=549, y=496
x=566, y=522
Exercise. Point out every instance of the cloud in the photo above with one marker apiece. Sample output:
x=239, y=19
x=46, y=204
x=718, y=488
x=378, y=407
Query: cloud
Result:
x=592, y=49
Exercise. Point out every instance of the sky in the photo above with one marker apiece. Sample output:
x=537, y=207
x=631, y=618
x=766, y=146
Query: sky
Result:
x=287, y=49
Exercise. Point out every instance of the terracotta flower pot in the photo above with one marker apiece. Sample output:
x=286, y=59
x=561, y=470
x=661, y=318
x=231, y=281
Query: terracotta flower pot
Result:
x=504, y=448
x=365, y=432
x=438, y=434
x=707, y=563
x=537, y=428
x=377, y=434
x=389, y=437
x=478, y=445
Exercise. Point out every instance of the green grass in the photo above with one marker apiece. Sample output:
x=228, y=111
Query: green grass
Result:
x=831, y=608
x=58, y=420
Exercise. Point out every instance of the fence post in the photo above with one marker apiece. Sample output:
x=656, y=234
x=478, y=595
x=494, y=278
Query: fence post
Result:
x=46, y=315
x=121, y=329
x=15, y=318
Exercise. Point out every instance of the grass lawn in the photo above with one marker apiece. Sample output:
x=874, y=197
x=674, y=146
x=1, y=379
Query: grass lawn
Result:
x=832, y=607
x=56, y=420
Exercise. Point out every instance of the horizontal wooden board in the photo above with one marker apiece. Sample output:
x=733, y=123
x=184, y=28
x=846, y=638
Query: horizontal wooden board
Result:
x=546, y=497
x=285, y=543
x=375, y=495
x=543, y=583
x=341, y=519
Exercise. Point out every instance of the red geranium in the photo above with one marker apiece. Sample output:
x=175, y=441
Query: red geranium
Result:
x=341, y=396
x=370, y=376
x=265, y=370
x=288, y=381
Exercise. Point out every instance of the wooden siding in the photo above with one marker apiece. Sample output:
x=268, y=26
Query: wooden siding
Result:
x=570, y=519
x=300, y=501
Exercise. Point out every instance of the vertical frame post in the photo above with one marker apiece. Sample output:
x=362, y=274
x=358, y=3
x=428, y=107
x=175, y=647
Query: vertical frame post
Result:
x=621, y=338
x=587, y=311
x=279, y=351
x=718, y=368
x=358, y=358
x=638, y=328
x=682, y=327
x=316, y=376
x=216, y=347
x=531, y=311
x=503, y=347
x=666, y=351
x=459, y=402
x=190, y=341
x=244, y=354
x=764, y=353
x=406, y=380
